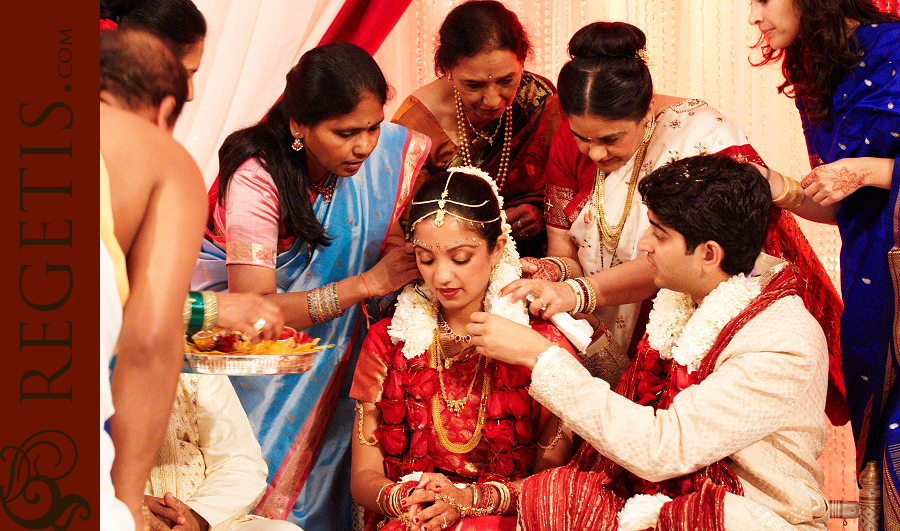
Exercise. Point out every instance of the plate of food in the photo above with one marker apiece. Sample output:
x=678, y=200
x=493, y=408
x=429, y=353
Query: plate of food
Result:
x=230, y=352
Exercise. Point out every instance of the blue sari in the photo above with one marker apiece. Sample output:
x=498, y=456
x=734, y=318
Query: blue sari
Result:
x=304, y=421
x=865, y=122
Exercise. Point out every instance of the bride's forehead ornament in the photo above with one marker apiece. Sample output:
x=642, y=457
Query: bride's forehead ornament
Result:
x=444, y=199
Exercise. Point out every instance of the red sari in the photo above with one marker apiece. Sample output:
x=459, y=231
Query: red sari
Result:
x=408, y=394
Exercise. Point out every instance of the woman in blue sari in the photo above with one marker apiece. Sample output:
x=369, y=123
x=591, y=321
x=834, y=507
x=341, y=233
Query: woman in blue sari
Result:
x=840, y=60
x=306, y=213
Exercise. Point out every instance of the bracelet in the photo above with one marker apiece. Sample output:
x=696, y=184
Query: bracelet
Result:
x=796, y=197
x=556, y=437
x=785, y=189
x=505, y=497
x=362, y=439
x=210, y=309
x=380, y=499
x=588, y=294
x=475, y=490
x=561, y=264
x=323, y=303
x=193, y=313
x=366, y=282
x=579, y=295
x=464, y=512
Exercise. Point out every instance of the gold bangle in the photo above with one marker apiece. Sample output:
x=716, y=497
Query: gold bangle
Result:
x=591, y=303
x=379, y=500
x=503, y=490
x=785, y=189
x=359, y=431
x=579, y=297
x=210, y=309
x=556, y=438
x=797, y=196
x=561, y=264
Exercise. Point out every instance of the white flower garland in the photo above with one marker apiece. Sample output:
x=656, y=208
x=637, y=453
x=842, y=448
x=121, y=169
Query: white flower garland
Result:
x=415, y=317
x=684, y=334
x=641, y=511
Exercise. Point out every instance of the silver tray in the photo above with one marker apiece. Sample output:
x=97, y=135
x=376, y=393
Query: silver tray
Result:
x=234, y=365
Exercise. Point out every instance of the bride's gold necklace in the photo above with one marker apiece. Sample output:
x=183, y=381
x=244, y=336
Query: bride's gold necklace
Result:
x=610, y=235
x=456, y=405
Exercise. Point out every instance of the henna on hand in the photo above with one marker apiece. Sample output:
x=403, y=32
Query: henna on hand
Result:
x=841, y=179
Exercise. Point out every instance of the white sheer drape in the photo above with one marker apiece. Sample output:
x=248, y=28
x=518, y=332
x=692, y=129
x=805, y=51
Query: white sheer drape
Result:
x=250, y=46
x=698, y=49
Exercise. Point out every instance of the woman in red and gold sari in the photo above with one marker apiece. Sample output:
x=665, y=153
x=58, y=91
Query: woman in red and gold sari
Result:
x=442, y=434
x=485, y=110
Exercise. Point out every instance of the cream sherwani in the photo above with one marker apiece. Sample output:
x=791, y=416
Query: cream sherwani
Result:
x=761, y=409
x=210, y=459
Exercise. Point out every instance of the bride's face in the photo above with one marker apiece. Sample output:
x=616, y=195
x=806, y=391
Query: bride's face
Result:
x=455, y=263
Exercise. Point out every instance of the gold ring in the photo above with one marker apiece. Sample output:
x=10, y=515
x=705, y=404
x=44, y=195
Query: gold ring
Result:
x=258, y=325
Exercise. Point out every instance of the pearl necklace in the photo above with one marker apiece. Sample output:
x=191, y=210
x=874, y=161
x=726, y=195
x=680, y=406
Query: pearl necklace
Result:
x=464, y=139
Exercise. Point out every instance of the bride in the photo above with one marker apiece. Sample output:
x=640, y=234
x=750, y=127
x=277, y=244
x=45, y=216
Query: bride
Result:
x=443, y=434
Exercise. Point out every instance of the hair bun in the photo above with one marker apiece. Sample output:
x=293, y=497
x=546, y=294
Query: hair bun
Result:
x=607, y=39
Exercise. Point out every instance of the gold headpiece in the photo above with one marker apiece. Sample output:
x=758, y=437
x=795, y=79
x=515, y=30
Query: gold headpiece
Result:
x=643, y=56
x=443, y=200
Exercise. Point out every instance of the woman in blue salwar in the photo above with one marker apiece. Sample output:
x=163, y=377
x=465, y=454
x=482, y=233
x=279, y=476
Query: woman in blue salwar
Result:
x=840, y=61
x=306, y=212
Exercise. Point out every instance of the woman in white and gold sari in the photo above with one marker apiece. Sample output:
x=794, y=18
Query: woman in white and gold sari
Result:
x=616, y=132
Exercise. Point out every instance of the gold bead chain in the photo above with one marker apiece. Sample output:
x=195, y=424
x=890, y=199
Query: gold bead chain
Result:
x=610, y=235
x=464, y=139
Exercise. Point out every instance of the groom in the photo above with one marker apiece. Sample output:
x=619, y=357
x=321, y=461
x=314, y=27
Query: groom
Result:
x=720, y=415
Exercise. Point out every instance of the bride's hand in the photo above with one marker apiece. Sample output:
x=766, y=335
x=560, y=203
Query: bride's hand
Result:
x=436, y=514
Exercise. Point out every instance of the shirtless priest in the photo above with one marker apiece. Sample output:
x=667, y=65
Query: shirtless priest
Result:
x=719, y=419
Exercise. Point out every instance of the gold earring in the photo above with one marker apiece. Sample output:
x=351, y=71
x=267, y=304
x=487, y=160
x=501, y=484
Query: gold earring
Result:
x=450, y=76
x=297, y=145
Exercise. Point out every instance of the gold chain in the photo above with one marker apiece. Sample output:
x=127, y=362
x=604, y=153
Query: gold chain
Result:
x=464, y=139
x=610, y=235
x=556, y=437
x=436, y=409
x=362, y=439
x=453, y=405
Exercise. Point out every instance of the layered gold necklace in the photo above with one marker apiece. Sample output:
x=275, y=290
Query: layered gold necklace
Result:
x=462, y=119
x=435, y=358
x=610, y=235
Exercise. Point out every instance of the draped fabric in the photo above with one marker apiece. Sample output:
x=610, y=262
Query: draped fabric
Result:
x=365, y=23
x=498, y=412
x=587, y=493
x=865, y=122
x=303, y=421
x=251, y=45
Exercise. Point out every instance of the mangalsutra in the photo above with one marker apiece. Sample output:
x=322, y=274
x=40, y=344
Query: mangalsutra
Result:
x=610, y=235
x=464, y=140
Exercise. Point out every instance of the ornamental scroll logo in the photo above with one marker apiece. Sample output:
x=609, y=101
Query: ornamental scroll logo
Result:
x=31, y=497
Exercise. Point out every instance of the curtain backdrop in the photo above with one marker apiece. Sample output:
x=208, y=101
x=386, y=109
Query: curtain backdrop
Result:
x=698, y=49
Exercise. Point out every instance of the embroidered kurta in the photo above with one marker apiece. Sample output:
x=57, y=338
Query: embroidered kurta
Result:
x=209, y=458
